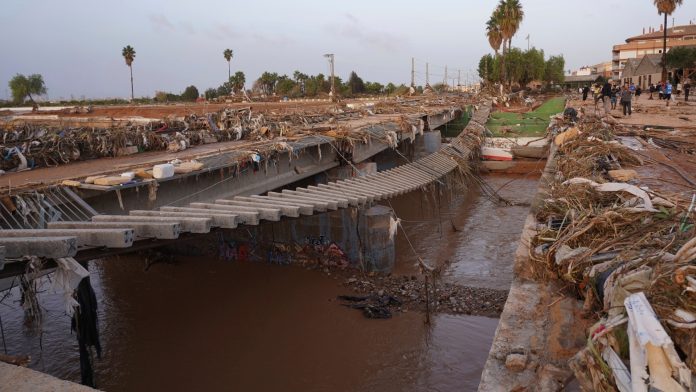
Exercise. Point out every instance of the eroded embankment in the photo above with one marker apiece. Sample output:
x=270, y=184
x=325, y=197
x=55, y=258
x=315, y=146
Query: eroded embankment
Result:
x=602, y=259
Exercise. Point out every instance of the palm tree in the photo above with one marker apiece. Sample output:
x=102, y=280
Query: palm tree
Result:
x=495, y=36
x=128, y=54
x=665, y=7
x=510, y=15
x=228, y=54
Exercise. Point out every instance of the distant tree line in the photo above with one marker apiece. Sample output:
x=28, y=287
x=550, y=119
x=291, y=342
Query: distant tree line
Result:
x=521, y=67
x=303, y=85
x=190, y=94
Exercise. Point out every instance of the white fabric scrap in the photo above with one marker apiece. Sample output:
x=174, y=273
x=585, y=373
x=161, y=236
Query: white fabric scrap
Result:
x=67, y=277
x=616, y=187
x=646, y=334
x=393, y=226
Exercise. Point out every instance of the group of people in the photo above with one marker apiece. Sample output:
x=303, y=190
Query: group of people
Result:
x=609, y=94
x=664, y=90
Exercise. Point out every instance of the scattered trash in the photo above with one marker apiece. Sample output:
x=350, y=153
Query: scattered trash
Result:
x=627, y=250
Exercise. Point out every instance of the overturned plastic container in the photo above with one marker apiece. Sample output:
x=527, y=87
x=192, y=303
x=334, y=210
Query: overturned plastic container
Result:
x=164, y=170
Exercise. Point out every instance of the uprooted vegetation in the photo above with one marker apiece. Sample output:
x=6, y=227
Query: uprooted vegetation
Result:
x=27, y=145
x=628, y=251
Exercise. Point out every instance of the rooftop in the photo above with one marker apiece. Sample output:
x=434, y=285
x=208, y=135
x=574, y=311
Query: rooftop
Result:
x=672, y=32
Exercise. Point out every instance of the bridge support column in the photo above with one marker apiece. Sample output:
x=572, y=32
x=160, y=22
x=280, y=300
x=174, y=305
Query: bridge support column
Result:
x=377, y=234
x=427, y=144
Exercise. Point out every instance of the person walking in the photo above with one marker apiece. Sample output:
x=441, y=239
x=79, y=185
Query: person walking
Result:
x=606, y=97
x=660, y=91
x=652, y=90
x=668, y=92
x=597, y=94
x=585, y=91
x=614, y=93
x=639, y=91
x=626, y=100
x=687, y=90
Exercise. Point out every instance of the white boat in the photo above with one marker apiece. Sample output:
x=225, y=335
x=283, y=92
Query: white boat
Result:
x=495, y=154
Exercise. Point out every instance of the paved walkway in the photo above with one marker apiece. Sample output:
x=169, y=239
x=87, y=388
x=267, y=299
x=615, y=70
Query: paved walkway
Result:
x=21, y=379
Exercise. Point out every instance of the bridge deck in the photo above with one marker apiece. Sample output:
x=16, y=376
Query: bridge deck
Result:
x=199, y=218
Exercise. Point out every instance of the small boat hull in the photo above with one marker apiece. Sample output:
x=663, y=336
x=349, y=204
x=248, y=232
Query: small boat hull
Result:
x=495, y=154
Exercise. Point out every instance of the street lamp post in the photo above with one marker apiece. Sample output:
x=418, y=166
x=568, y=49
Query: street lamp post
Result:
x=330, y=56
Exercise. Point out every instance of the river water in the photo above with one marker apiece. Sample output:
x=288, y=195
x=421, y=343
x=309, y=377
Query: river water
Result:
x=201, y=324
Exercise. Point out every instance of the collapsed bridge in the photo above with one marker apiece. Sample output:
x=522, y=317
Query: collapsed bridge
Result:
x=71, y=228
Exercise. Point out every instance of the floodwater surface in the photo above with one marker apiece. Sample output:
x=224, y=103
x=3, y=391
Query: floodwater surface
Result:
x=203, y=324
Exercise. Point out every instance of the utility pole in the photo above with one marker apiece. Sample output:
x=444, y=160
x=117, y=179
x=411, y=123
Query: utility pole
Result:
x=527, y=42
x=413, y=72
x=330, y=56
x=427, y=75
x=459, y=77
x=446, y=82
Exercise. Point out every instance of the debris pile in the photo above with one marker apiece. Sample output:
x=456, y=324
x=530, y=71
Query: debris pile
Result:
x=408, y=293
x=27, y=144
x=628, y=251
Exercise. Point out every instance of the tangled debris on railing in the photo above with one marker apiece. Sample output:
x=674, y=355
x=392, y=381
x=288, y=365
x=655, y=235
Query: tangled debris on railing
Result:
x=629, y=251
x=30, y=144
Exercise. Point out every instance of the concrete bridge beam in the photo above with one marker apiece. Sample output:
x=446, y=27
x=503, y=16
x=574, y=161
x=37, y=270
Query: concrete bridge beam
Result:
x=269, y=214
x=161, y=230
x=353, y=201
x=407, y=179
x=305, y=208
x=375, y=195
x=339, y=201
x=51, y=247
x=110, y=238
x=290, y=195
x=192, y=225
x=285, y=210
x=385, y=191
x=399, y=183
x=323, y=204
x=245, y=217
x=360, y=199
x=226, y=221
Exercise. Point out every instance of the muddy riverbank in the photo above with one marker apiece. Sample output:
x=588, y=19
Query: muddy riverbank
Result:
x=204, y=324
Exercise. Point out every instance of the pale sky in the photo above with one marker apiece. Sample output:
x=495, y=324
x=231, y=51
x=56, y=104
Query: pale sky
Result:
x=76, y=44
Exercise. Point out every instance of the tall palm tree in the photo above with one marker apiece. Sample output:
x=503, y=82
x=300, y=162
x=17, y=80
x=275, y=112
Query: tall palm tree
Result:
x=665, y=7
x=493, y=33
x=228, y=54
x=128, y=54
x=510, y=15
x=514, y=14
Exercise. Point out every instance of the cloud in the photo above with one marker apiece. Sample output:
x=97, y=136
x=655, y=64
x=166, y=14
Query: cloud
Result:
x=161, y=23
x=187, y=27
x=222, y=32
x=271, y=40
x=356, y=31
x=352, y=18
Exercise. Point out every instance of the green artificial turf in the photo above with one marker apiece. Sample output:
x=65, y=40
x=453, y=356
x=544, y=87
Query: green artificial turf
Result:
x=525, y=124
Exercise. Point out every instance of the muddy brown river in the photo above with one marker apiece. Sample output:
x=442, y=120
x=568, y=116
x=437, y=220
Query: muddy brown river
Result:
x=203, y=324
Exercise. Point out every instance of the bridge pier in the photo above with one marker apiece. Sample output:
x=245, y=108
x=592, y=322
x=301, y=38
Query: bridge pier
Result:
x=361, y=238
